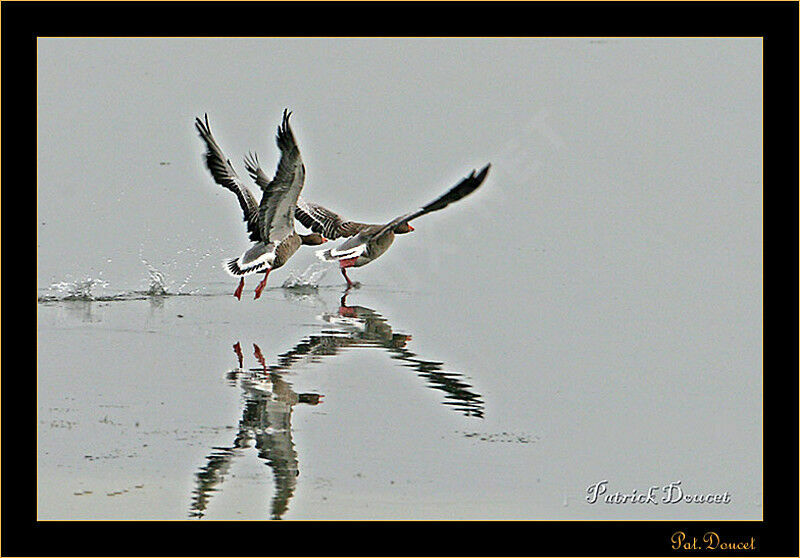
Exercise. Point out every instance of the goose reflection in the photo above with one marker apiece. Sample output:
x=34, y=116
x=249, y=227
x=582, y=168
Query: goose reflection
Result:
x=269, y=399
x=359, y=326
x=266, y=423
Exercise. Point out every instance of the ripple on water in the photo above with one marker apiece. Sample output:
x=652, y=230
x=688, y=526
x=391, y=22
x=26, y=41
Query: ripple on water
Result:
x=308, y=279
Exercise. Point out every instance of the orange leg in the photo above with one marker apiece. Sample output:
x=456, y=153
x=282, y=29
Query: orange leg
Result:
x=238, y=292
x=346, y=278
x=259, y=356
x=237, y=348
x=344, y=309
x=343, y=265
x=263, y=283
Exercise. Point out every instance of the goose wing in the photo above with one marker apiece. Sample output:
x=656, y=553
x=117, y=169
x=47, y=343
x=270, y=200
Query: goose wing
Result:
x=224, y=175
x=276, y=211
x=254, y=169
x=324, y=221
x=460, y=190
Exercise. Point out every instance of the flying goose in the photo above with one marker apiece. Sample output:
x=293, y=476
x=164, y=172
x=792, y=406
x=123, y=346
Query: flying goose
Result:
x=270, y=223
x=366, y=243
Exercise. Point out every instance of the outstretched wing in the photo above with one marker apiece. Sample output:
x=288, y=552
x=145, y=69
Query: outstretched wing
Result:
x=224, y=175
x=460, y=190
x=276, y=212
x=256, y=173
x=324, y=221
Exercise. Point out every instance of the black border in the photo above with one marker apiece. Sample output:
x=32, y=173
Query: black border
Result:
x=22, y=22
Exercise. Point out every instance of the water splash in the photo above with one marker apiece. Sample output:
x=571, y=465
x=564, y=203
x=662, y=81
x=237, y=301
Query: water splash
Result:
x=308, y=279
x=77, y=290
x=85, y=291
x=191, y=273
x=158, y=284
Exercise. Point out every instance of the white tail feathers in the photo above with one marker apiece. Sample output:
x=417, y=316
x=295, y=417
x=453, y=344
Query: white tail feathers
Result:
x=325, y=255
x=332, y=254
x=258, y=258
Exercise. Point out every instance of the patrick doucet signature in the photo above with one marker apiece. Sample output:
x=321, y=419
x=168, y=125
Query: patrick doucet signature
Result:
x=672, y=494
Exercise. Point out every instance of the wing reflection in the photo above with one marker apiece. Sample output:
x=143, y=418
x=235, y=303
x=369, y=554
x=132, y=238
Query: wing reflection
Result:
x=358, y=326
x=269, y=399
x=266, y=423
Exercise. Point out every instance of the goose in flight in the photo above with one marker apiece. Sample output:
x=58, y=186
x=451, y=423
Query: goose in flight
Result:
x=366, y=243
x=270, y=223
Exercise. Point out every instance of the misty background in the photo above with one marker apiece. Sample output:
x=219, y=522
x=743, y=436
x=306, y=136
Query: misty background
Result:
x=604, y=283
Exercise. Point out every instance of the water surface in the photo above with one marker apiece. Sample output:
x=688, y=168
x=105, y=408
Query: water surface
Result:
x=321, y=403
x=593, y=312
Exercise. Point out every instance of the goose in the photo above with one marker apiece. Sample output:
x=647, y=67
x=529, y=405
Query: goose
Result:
x=366, y=242
x=270, y=223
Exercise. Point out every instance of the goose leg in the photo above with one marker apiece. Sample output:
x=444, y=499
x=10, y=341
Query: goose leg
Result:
x=259, y=357
x=237, y=348
x=346, y=278
x=263, y=283
x=238, y=292
x=344, y=309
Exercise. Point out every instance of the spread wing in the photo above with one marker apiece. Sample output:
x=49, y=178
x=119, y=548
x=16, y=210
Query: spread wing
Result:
x=324, y=221
x=224, y=175
x=460, y=190
x=276, y=212
x=256, y=173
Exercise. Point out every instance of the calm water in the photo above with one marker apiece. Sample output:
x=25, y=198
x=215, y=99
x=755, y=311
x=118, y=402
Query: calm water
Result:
x=593, y=312
x=313, y=403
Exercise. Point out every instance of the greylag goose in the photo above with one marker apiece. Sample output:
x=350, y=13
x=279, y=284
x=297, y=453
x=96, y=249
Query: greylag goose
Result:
x=366, y=243
x=271, y=222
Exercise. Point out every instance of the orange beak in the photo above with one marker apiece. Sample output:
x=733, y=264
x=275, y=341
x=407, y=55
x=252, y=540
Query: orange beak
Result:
x=410, y=228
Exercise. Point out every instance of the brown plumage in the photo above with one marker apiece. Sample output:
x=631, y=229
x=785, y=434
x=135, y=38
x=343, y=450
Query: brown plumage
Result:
x=366, y=243
x=330, y=225
x=270, y=222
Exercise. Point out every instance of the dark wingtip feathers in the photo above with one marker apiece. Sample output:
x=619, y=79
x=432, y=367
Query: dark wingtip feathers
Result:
x=251, y=162
x=204, y=129
x=468, y=185
x=473, y=181
x=285, y=123
x=233, y=267
x=285, y=138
